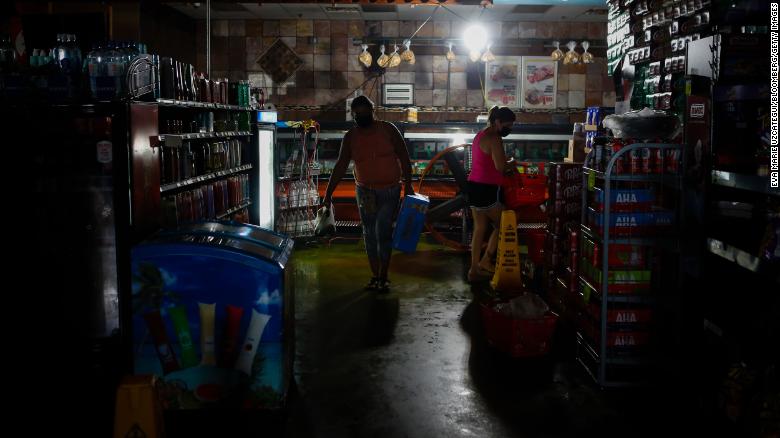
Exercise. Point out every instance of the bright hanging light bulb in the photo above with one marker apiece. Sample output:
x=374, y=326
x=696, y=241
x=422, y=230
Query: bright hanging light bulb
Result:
x=475, y=37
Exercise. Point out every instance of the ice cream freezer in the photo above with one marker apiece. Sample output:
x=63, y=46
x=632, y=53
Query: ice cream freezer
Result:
x=212, y=316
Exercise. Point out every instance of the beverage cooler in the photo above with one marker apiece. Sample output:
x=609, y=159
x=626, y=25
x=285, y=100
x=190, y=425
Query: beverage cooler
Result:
x=212, y=315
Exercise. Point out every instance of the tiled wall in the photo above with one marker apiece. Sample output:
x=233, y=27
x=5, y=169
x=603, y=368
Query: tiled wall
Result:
x=331, y=69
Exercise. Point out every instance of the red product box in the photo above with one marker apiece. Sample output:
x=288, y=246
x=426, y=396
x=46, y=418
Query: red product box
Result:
x=622, y=316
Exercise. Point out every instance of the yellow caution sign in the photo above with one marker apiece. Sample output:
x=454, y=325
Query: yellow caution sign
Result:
x=138, y=411
x=507, y=276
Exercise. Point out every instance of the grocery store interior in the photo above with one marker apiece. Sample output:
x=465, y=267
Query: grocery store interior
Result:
x=393, y=218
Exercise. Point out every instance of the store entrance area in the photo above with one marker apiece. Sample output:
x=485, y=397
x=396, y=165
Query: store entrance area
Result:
x=415, y=362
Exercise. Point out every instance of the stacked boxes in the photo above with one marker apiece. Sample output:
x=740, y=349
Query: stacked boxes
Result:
x=632, y=213
x=561, y=252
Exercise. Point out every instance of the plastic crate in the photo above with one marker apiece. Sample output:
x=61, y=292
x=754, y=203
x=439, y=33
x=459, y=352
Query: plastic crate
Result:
x=622, y=316
x=519, y=337
x=523, y=190
x=636, y=224
x=534, y=240
x=625, y=200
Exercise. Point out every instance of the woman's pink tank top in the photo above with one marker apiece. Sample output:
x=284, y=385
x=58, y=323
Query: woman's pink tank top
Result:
x=483, y=170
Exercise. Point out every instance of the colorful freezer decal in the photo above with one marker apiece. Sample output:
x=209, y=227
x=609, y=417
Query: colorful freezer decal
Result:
x=191, y=310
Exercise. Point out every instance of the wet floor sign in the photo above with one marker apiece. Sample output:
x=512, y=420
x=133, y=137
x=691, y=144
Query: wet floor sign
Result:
x=507, y=276
x=138, y=412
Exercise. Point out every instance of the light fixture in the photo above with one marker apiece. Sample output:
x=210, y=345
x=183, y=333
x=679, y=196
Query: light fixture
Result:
x=488, y=55
x=475, y=37
x=408, y=55
x=587, y=57
x=383, y=59
x=450, y=54
x=571, y=57
x=557, y=54
x=365, y=58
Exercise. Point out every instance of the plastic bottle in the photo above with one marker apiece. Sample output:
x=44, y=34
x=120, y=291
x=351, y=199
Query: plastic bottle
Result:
x=94, y=68
x=113, y=68
x=282, y=194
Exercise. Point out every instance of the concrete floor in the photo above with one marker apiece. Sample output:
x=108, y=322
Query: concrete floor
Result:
x=414, y=363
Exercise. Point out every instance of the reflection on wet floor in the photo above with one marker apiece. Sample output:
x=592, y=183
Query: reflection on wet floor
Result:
x=415, y=363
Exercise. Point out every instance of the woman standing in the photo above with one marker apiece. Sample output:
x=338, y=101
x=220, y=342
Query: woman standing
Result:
x=488, y=166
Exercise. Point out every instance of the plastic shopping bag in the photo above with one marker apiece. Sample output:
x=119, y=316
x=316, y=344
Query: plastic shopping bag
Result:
x=325, y=223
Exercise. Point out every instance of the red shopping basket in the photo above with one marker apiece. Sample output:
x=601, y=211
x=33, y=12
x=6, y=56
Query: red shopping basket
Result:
x=522, y=190
x=518, y=337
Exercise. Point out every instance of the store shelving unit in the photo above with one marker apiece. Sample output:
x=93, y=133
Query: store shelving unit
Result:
x=243, y=132
x=608, y=351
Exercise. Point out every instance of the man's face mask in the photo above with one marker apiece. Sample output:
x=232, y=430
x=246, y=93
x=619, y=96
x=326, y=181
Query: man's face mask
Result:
x=506, y=130
x=364, y=119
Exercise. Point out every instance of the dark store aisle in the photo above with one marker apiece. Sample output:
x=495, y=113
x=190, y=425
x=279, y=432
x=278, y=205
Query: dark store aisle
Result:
x=414, y=363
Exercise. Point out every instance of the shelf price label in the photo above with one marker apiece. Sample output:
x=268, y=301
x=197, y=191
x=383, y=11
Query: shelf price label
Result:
x=105, y=152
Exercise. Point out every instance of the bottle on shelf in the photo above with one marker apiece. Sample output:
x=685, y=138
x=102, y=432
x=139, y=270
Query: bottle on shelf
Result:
x=187, y=161
x=314, y=194
x=282, y=195
x=114, y=69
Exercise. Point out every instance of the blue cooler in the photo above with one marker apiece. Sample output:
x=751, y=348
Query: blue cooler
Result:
x=410, y=222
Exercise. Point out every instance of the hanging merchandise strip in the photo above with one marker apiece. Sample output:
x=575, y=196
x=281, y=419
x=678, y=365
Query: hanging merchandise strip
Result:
x=298, y=197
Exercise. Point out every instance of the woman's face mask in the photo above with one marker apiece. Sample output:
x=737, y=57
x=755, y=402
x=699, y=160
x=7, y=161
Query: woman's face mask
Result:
x=505, y=129
x=363, y=117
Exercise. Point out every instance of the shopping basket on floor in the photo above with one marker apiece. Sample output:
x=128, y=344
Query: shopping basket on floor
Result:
x=518, y=337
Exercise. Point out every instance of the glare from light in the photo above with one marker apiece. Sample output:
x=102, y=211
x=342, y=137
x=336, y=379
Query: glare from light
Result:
x=475, y=37
x=460, y=140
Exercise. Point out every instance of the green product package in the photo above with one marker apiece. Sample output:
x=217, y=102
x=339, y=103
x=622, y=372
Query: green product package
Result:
x=182, y=327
